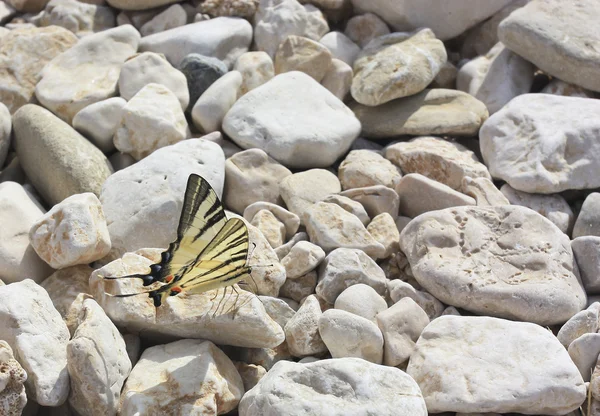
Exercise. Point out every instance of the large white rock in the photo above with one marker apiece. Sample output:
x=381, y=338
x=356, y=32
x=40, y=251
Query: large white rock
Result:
x=38, y=336
x=97, y=362
x=73, y=232
x=447, y=20
x=18, y=212
x=142, y=203
x=99, y=122
x=12, y=378
x=549, y=143
x=86, y=73
x=224, y=38
x=185, y=377
x=505, y=261
x=484, y=364
x=335, y=387
x=295, y=120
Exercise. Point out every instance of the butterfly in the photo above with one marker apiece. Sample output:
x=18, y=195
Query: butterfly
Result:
x=210, y=251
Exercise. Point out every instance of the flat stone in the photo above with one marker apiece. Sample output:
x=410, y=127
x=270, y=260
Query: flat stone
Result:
x=554, y=207
x=303, y=258
x=256, y=68
x=363, y=28
x=399, y=290
x=201, y=72
x=587, y=253
x=503, y=261
x=86, y=73
x=353, y=207
x=295, y=120
x=556, y=134
x=290, y=220
x=362, y=168
x=38, y=336
x=297, y=53
x=430, y=112
x=271, y=228
x=302, y=330
x=396, y=65
x=484, y=191
x=588, y=220
x=78, y=17
x=461, y=364
x=341, y=47
x=99, y=122
x=23, y=54
x=376, y=199
x=347, y=386
x=191, y=376
x=212, y=106
x=12, y=394
x=172, y=17
x=419, y=194
x=362, y=300
x=345, y=267
x=338, y=78
x=566, y=29
x=224, y=38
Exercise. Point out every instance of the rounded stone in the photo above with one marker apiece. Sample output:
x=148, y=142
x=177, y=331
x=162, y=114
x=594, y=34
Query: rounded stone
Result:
x=297, y=53
x=201, y=72
x=256, y=69
x=363, y=28
x=99, y=122
x=362, y=300
x=215, y=102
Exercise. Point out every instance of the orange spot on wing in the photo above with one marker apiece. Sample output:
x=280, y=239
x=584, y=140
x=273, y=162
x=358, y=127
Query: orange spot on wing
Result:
x=176, y=289
x=169, y=278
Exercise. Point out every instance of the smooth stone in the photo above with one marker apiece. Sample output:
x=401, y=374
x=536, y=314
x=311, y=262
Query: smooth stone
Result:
x=376, y=199
x=275, y=20
x=302, y=330
x=566, y=29
x=256, y=68
x=338, y=78
x=419, y=194
x=584, y=352
x=554, y=207
x=212, y=106
x=362, y=300
x=558, y=87
x=38, y=336
x=496, y=78
x=362, y=168
x=297, y=53
x=86, y=73
x=399, y=290
x=560, y=131
x=172, y=17
x=588, y=220
x=80, y=18
x=346, y=267
x=383, y=229
x=347, y=386
x=121, y=161
x=353, y=207
x=348, y=335
x=431, y=112
x=277, y=309
x=446, y=77
x=147, y=68
x=18, y=212
x=97, y=362
x=189, y=376
x=522, y=361
x=363, y=28
x=504, y=261
x=446, y=22
x=252, y=176
x=304, y=257
x=438, y=159
x=284, y=249
x=138, y=4
x=223, y=317
x=239, y=8
x=99, y=122
x=341, y=47
x=201, y=72
x=484, y=191
x=295, y=120
x=270, y=276
x=142, y=208
x=152, y=119
x=229, y=148
x=587, y=253
x=330, y=227
x=223, y=38
x=290, y=220
x=23, y=54
x=271, y=228
x=396, y=65
x=299, y=191
x=301, y=287
x=401, y=325
x=12, y=381
x=584, y=322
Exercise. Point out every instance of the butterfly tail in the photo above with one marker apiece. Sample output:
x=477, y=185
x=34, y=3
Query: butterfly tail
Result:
x=147, y=279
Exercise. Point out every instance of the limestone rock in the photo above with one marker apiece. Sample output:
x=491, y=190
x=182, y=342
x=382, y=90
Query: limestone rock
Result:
x=383, y=229
x=297, y=53
x=399, y=290
x=5, y=130
x=80, y=18
x=239, y=8
x=284, y=249
x=201, y=72
x=584, y=352
x=172, y=17
x=99, y=122
x=484, y=191
x=266, y=357
x=299, y=191
x=12, y=392
x=277, y=309
x=338, y=78
x=558, y=87
x=290, y=220
x=362, y=300
x=588, y=220
x=302, y=330
x=303, y=258
x=363, y=28
x=270, y=276
x=138, y=4
x=256, y=68
x=341, y=47
x=363, y=168
x=584, y=322
x=272, y=229
x=212, y=106
x=353, y=207
x=376, y=199
x=300, y=287
x=587, y=253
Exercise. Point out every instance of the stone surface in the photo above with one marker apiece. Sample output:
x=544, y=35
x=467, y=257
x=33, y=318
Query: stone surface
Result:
x=584, y=352
x=346, y=386
x=484, y=191
x=80, y=18
x=396, y=65
x=345, y=267
x=363, y=28
x=587, y=253
x=588, y=220
x=558, y=87
x=172, y=17
x=295, y=120
x=554, y=207
x=419, y=194
x=147, y=68
x=496, y=78
x=212, y=106
x=224, y=38
x=152, y=119
x=383, y=229
x=505, y=261
x=363, y=168
x=584, y=322
x=348, y=335
x=297, y=53
x=5, y=130
x=18, y=212
x=338, y=78
x=38, y=336
x=362, y=300
x=284, y=249
x=277, y=309
x=266, y=357
x=98, y=122
x=137, y=4
x=23, y=54
x=240, y=8
x=268, y=278
x=271, y=228
x=353, y=207
x=341, y=47
x=521, y=360
x=256, y=68
x=557, y=38
x=86, y=73
x=299, y=191
x=12, y=392
x=299, y=288
x=97, y=362
x=399, y=290
x=7, y=12
x=302, y=330
x=441, y=160
x=183, y=377
x=290, y=220
x=73, y=232
x=252, y=176
x=303, y=258
x=549, y=143
x=433, y=111
x=201, y=72
x=376, y=199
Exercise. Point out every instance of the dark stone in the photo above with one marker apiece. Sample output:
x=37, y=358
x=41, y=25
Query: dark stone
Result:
x=201, y=71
